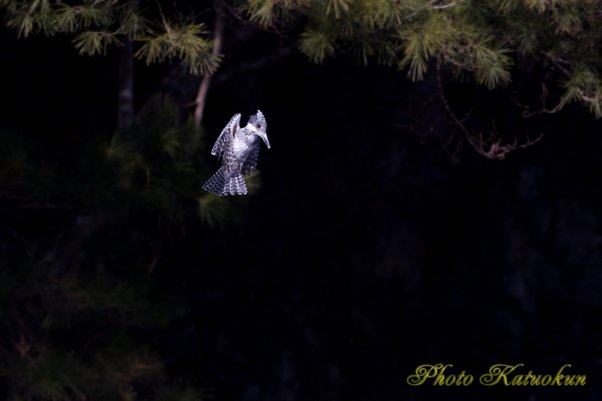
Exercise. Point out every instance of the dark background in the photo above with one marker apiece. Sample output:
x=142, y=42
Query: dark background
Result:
x=368, y=251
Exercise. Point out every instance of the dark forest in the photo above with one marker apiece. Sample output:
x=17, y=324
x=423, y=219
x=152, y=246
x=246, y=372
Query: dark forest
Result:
x=430, y=196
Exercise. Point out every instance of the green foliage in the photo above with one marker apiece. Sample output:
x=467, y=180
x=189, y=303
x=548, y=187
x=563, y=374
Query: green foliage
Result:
x=316, y=45
x=99, y=25
x=180, y=41
x=91, y=281
x=50, y=301
x=158, y=166
x=52, y=376
x=266, y=13
x=95, y=42
x=425, y=42
x=161, y=164
x=337, y=7
x=262, y=11
x=212, y=209
x=215, y=210
x=483, y=39
x=74, y=303
x=584, y=86
x=490, y=65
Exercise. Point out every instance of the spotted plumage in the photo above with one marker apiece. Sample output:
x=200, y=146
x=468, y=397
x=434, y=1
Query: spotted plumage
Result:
x=238, y=148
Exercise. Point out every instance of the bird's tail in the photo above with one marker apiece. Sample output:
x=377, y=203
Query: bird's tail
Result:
x=224, y=184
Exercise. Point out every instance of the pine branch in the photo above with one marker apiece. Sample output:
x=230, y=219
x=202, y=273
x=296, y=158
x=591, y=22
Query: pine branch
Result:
x=180, y=41
x=95, y=42
x=491, y=147
x=316, y=45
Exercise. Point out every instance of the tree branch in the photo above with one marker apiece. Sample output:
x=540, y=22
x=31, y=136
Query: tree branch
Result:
x=492, y=147
x=218, y=38
x=444, y=6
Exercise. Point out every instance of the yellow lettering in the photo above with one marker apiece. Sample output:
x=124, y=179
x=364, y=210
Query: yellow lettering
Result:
x=500, y=373
x=425, y=372
x=517, y=380
x=535, y=380
x=558, y=377
x=464, y=379
x=441, y=380
x=497, y=373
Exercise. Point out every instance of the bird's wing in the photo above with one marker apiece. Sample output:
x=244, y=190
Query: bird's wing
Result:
x=229, y=160
x=226, y=136
x=251, y=162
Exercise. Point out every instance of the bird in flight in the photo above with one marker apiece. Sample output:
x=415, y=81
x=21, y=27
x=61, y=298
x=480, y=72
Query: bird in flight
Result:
x=239, y=150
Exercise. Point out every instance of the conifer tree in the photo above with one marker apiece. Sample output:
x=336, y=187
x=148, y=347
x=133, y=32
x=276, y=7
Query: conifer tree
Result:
x=73, y=308
x=487, y=42
x=98, y=25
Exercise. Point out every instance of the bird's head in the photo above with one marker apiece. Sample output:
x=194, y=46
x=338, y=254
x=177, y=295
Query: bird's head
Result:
x=260, y=127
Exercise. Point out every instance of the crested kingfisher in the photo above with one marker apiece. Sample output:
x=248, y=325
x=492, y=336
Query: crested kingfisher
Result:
x=239, y=150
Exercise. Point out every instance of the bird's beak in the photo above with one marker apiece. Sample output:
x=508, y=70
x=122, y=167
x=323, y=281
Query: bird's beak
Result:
x=264, y=137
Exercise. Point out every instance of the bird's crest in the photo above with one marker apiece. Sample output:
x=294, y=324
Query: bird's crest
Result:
x=258, y=121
